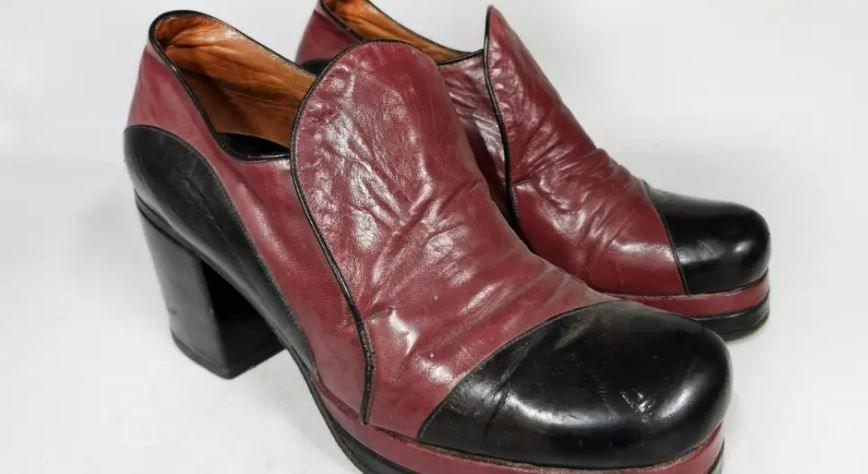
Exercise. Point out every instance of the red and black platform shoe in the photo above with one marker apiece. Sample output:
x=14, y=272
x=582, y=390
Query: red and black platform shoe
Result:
x=319, y=215
x=571, y=202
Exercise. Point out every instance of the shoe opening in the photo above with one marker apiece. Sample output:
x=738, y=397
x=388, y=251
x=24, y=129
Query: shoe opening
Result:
x=371, y=23
x=249, y=93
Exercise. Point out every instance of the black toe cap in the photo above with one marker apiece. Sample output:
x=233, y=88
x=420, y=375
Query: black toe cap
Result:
x=614, y=385
x=720, y=246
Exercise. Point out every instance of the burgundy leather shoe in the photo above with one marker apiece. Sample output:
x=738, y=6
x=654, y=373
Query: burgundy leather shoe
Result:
x=342, y=217
x=570, y=202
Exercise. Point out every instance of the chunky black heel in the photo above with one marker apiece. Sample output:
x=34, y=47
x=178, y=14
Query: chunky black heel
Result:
x=211, y=322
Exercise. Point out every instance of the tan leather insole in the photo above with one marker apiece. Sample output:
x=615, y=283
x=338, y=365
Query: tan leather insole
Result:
x=371, y=24
x=244, y=88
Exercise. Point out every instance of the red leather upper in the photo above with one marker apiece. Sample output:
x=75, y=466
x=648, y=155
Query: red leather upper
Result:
x=573, y=204
x=438, y=277
x=465, y=80
x=431, y=267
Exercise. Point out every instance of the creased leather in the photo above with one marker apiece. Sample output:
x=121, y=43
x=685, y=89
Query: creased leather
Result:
x=465, y=80
x=575, y=205
x=572, y=203
x=439, y=278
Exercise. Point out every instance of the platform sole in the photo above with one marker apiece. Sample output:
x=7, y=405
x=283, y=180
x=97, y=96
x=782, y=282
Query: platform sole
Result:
x=731, y=314
x=739, y=324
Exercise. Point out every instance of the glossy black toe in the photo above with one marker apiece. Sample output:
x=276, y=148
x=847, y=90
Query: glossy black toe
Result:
x=614, y=385
x=720, y=246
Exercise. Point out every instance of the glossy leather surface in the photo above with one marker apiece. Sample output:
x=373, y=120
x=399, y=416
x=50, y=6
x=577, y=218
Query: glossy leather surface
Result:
x=720, y=245
x=326, y=36
x=423, y=458
x=575, y=205
x=434, y=270
x=570, y=201
x=609, y=386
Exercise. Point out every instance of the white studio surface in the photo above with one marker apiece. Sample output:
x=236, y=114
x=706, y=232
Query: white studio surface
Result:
x=761, y=102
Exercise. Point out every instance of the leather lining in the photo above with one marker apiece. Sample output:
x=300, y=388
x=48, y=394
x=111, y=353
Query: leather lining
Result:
x=371, y=23
x=244, y=87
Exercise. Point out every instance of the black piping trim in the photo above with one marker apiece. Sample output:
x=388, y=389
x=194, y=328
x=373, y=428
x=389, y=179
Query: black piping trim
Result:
x=230, y=206
x=672, y=248
x=494, y=354
x=458, y=59
x=339, y=21
x=349, y=29
x=473, y=55
x=152, y=39
x=513, y=216
x=293, y=161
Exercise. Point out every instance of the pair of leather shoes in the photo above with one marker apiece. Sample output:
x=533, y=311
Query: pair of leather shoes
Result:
x=432, y=236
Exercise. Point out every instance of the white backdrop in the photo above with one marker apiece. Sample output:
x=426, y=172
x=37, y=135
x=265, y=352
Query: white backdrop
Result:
x=758, y=101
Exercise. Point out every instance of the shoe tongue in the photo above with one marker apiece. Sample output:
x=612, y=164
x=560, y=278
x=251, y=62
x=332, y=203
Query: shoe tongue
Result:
x=538, y=125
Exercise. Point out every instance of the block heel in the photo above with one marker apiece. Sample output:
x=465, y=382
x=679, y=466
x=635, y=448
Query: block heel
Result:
x=210, y=321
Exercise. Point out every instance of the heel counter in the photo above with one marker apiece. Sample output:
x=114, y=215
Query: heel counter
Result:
x=139, y=92
x=144, y=105
x=323, y=38
x=144, y=111
x=161, y=101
